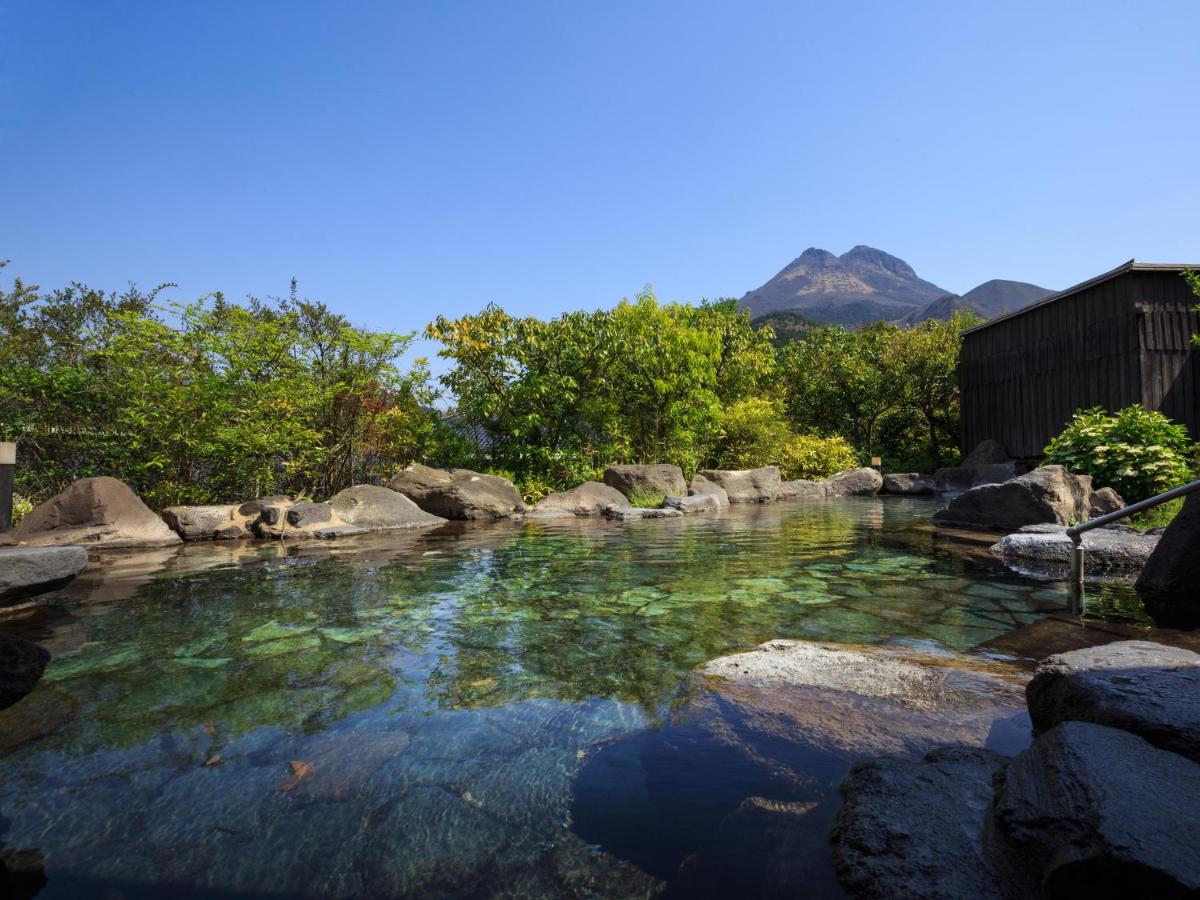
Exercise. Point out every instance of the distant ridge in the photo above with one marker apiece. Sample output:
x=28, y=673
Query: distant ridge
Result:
x=866, y=285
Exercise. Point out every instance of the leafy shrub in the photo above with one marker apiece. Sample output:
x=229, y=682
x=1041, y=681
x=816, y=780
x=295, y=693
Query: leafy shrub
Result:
x=22, y=507
x=811, y=456
x=646, y=499
x=754, y=433
x=1136, y=452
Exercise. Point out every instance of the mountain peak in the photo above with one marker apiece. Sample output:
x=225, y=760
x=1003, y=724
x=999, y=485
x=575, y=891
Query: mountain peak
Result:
x=813, y=256
x=870, y=256
x=862, y=285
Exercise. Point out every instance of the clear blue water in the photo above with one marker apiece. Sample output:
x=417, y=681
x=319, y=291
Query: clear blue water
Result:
x=410, y=715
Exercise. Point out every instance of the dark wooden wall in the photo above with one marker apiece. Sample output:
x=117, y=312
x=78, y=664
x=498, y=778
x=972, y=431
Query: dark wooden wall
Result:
x=1121, y=341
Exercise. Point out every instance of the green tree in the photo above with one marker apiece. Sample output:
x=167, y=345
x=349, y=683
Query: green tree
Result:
x=845, y=382
x=204, y=402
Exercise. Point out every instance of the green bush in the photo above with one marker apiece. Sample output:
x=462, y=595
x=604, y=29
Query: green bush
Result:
x=21, y=508
x=811, y=456
x=646, y=499
x=1136, y=452
x=754, y=433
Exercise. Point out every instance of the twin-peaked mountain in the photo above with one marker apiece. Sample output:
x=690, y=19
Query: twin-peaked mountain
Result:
x=866, y=285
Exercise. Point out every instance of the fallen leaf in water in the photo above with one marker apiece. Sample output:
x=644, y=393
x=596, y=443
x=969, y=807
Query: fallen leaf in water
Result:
x=300, y=771
x=483, y=682
x=214, y=760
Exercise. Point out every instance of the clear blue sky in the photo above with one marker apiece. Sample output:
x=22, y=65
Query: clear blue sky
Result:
x=409, y=159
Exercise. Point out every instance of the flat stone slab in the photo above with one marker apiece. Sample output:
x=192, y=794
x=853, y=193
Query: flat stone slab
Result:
x=1047, y=550
x=1097, y=812
x=856, y=702
x=637, y=512
x=29, y=571
x=1148, y=689
x=916, y=829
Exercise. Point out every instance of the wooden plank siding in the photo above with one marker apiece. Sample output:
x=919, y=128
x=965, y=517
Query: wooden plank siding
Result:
x=1119, y=339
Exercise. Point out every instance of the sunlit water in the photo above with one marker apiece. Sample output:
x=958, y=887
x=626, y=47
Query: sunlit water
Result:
x=407, y=715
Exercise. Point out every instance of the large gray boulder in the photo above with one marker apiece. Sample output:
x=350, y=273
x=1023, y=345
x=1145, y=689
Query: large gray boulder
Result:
x=1103, y=502
x=747, y=485
x=854, y=702
x=375, y=508
x=907, y=483
x=701, y=485
x=22, y=663
x=201, y=523
x=696, y=504
x=917, y=829
x=664, y=480
x=93, y=512
x=1048, y=494
x=861, y=482
x=458, y=493
x=703, y=496
x=1046, y=550
x=1098, y=812
x=1148, y=689
x=801, y=489
x=1172, y=573
x=986, y=452
x=28, y=571
x=954, y=479
x=588, y=499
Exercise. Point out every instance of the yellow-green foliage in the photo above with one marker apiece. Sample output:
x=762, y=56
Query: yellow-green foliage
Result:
x=754, y=433
x=1137, y=452
x=21, y=508
x=646, y=499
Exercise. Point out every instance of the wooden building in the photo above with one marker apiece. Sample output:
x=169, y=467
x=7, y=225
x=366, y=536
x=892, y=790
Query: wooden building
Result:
x=1123, y=337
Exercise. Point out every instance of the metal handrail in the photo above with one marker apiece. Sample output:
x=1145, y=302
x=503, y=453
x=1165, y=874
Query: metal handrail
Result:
x=1076, y=532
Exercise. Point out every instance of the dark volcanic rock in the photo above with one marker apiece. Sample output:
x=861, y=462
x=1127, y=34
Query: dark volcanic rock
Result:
x=588, y=499
x=22, y=663
x=1048, y=550
x=1105, y=501
x=801, y=489
x=28, y=571
x=1145, y=688
x=854, y=702
x=953, y=479
x=458, y=493
x=1098, y=812
x=305, y=515
x=648, y=479
x=1048, y=494
x=1172, y=574
x=861, y=482
x=374, y=508
x=986, y=452
x=917, y=829
x=702, y=486
x=907, y=483
x=746, y=485
x=696, y=504
x=93, y=512
x=201, y=523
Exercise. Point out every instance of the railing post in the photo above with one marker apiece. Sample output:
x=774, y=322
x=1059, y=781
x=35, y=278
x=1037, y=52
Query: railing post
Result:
x=1076, y=572
x=8, y=461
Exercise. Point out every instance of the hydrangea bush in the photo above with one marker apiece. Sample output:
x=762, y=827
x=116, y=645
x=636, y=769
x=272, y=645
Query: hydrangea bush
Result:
x=1136, y=452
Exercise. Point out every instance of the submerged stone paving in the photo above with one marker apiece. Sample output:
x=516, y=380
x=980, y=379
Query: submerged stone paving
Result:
x=421, y=712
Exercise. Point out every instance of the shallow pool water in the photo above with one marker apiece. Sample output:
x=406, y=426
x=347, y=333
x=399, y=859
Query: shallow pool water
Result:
x=407, y=715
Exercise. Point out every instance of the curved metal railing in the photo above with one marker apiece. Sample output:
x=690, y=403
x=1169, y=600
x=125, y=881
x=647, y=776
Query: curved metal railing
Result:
x=1076, y=532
